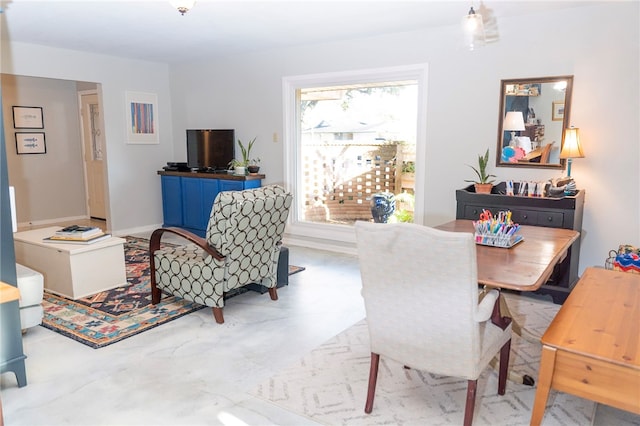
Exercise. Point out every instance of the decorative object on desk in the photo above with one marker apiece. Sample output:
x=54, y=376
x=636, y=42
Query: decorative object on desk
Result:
x=559, y=187
x=571, y=149
x=484, y=183
x=498, y=231
x=383, y=204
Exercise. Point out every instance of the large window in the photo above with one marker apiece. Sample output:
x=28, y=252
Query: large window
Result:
x=356, y=141
x=350, y=136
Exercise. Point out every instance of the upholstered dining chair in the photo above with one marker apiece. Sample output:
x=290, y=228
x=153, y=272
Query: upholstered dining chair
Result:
x=421, y=298
x=242, y=246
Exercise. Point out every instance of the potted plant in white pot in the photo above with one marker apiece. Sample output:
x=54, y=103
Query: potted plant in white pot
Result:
x=240, y=165
x=484, y=183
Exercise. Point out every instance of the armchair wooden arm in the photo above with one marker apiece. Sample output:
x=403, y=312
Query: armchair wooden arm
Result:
x=154, y=244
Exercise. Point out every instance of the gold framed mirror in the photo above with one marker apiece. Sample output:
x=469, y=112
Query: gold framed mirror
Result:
x=533, y=115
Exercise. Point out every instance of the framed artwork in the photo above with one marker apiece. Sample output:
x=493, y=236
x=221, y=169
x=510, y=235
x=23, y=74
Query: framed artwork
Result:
x=142, y=118
x=557, y=111
x=30, y=143
x=27, y=117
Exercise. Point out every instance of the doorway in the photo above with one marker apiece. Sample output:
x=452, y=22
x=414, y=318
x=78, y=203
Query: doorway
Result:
x=93, y=153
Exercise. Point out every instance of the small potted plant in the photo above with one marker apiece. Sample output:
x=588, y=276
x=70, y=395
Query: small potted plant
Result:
x=253, y=166
x=240, y=166
x=484, y=183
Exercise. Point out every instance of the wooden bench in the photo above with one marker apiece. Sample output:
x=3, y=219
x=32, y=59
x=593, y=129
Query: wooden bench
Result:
x=592, y=347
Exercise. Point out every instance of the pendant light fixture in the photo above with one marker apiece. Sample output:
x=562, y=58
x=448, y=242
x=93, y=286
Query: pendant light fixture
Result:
x=183, y=6
x=473, y=29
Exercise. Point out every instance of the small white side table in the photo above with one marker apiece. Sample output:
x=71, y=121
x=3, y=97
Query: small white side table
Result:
x=72, y=270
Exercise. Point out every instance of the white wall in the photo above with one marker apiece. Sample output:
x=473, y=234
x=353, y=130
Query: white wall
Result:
x=134, y=187
x=39, y=197
x=599, y=45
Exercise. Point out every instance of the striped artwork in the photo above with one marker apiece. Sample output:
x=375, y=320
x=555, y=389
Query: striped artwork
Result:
x=142, y=118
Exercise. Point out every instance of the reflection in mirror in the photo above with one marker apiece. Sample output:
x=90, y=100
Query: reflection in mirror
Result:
x=533, y=115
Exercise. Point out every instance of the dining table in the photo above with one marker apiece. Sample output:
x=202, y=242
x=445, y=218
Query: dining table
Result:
x=524, y=267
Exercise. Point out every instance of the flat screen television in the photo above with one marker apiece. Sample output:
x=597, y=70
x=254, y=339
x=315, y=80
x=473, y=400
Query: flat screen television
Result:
x=210, y=149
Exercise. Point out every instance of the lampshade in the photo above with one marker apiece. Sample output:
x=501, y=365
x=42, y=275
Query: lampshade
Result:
x=513, y=121
x=473, y=29
x=183, y=6
x=571, y=147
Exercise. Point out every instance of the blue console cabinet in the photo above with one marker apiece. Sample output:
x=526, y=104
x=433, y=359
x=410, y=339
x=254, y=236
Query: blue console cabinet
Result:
x=187, y=197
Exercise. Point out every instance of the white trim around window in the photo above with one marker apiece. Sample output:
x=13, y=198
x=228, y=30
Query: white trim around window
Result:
x=342, y=237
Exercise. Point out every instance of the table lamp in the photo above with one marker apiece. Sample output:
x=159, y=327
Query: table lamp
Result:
x=571, y=147
x=513, y=122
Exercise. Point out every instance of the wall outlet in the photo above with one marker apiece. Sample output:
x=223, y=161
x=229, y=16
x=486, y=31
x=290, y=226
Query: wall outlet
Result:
x=275, y=137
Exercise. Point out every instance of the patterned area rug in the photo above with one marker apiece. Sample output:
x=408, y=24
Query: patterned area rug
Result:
x=329, y=385
x=110, y=316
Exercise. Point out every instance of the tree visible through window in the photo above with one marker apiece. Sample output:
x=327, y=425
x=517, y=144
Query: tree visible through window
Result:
x=355, y=141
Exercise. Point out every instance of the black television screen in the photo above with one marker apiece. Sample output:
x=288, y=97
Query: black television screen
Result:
x=210, y=149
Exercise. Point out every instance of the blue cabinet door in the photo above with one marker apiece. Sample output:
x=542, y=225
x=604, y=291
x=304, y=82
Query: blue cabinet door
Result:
x=171, y=201
x=192, y=204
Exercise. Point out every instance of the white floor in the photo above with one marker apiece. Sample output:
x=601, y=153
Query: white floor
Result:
x=191, y=370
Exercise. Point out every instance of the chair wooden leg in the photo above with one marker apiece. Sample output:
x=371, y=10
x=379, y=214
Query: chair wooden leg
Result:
x=471, y=402
x=273, y=293
x=503, y=372
x=155, y=291
x=373, y=379
x=217, y=314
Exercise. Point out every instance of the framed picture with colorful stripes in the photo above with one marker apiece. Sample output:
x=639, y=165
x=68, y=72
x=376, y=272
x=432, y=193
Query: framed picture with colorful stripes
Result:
x=142, y=118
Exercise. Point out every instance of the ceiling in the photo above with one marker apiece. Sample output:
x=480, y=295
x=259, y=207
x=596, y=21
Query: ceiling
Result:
x=153, y=30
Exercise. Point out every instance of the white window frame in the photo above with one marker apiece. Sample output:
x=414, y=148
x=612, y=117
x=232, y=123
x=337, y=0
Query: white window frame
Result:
x=337, y=237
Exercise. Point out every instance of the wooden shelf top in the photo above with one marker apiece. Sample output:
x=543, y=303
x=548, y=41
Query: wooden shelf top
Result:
x=207, y=175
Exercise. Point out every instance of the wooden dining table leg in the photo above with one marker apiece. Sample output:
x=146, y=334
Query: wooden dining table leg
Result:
x=513, y=376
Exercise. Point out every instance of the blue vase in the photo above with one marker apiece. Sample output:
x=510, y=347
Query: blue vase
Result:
x=383, y=205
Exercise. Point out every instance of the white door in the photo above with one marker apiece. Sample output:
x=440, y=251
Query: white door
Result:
x=93, y=142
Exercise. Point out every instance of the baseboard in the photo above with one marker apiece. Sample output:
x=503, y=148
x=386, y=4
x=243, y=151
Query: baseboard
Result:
x=42, y=223
x=320, y=244
x=137, y=230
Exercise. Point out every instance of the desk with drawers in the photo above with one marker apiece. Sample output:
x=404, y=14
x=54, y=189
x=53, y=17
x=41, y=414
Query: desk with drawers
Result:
x=564, y=212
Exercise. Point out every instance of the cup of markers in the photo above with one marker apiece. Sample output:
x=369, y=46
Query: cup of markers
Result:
x=496, y=231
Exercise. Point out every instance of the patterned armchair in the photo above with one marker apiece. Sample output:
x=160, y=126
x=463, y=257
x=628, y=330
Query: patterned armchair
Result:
x=242, y=246
x=420, y=290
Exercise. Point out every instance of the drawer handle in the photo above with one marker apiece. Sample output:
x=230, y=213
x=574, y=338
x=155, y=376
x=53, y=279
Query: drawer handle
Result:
x=549, y=219
x=524, y=216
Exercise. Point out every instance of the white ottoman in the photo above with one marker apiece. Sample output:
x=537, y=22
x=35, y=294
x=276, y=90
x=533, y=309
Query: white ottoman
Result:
x=31, y=286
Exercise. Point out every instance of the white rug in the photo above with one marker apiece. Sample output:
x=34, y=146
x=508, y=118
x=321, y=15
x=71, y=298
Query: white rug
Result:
x=329, y=385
